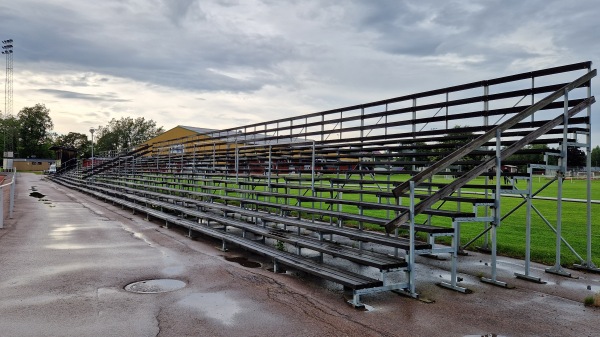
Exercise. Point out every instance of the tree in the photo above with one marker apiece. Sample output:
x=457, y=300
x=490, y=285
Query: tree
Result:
x=126, y=132
x=596, y=156
x=10, y=133
x=453, y=140
x=35, y=125
x=533, y=154
x=575, y=157
x=77, y=141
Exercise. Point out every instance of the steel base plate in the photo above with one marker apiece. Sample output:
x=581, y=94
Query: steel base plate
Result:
x=529, y=278
x=497, y=283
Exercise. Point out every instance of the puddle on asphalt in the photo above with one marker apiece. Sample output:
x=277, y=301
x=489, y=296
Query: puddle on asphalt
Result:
x=36, y=195
x=576, y=285
x=244, y=262
x=213, y=305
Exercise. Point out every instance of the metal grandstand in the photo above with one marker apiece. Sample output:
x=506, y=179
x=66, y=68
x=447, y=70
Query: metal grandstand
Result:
x=424, y=163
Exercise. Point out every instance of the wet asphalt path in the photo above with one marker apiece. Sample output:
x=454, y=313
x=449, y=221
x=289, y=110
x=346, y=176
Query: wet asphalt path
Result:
x=66, y=257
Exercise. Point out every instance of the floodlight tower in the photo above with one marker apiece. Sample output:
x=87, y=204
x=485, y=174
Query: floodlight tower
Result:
x=7, y=49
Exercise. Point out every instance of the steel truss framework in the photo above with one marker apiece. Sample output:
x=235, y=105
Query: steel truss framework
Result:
x=460, y=133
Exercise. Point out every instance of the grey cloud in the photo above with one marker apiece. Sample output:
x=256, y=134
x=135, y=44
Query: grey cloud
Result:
x=177, y=10
x=330, y=53
x=464, y=28
x=110, y=97
x=149, y=49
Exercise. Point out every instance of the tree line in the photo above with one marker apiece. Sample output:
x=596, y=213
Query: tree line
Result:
x=30, y=134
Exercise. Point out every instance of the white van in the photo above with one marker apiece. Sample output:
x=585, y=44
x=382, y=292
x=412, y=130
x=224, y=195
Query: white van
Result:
x=52, y=169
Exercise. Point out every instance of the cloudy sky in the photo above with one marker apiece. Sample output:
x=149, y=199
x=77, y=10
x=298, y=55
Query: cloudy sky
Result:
x=226, y=63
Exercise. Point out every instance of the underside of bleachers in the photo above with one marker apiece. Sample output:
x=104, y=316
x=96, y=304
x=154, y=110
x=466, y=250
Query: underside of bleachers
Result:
x=373, y=185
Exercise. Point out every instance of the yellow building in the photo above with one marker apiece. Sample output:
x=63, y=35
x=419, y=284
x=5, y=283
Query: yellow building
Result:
x=32, y=164
x=182, y=139
x=178, y=133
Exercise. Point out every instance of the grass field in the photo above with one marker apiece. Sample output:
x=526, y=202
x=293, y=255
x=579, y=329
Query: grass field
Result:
x=511, y=233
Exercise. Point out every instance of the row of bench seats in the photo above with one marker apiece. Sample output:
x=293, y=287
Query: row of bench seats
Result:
x=151, y=204
x=293, y=202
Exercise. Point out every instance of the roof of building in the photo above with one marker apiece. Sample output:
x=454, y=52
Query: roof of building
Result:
x=233, y=136
x=198, y=130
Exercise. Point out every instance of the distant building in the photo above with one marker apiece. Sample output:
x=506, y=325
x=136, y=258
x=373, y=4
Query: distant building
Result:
x=32, y=164
x=66, y=157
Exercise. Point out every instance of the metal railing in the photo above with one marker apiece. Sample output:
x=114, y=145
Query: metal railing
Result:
x=11, y=204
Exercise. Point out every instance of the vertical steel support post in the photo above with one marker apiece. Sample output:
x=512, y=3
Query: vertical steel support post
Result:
x=411, y=250
x=486, y=123
x=169, y=158
x=214, y=161
x=362, y=124
x=341, y=123
x=447, y=98
x=237, y=163
x=557, y=268
x=453, y=285
x=497, y=202
x=588, y=264
x=588, y=171
x=12, y=194
x=1, y=207
x=455, y=244
x=269, y=168
x=532, y=97
x=194, y=159
x=414, y=128
x=385, y=129
x=529, y=198
x=312, y=167
x=528, y=222
x=182, y=159
x=497, y=215
x=322, y=127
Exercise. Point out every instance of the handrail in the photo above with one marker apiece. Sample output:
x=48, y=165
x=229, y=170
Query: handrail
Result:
x=490, y=134
x=476, y=143
x=106, y=165
x=12, y=198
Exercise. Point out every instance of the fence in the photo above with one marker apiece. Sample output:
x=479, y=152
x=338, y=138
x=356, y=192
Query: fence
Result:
x=8, y=188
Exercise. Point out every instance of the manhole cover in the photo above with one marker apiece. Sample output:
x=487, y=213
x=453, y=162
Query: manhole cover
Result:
x=155, y=286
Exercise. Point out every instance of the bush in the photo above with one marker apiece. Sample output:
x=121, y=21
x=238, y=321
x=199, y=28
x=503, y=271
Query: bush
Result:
x=592, y=300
